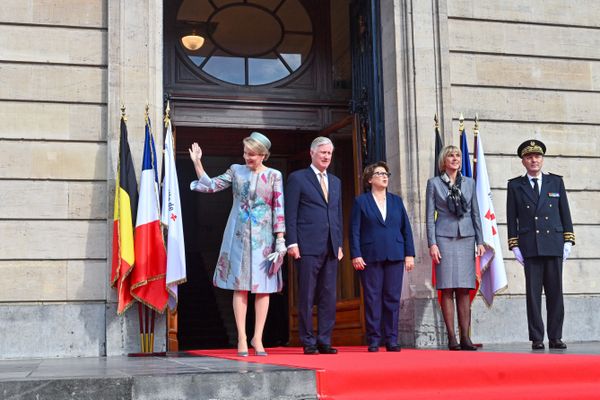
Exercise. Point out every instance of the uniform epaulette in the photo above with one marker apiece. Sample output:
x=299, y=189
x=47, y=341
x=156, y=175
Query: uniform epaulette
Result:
x=516, y=177
x=550, y=173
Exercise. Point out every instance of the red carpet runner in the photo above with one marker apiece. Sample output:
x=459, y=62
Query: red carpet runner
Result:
x=432, y=374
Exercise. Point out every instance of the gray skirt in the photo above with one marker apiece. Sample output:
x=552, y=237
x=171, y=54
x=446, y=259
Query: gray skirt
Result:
x=457, y=267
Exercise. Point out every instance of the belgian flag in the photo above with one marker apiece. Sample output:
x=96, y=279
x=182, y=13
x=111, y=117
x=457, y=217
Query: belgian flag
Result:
x=126, y=200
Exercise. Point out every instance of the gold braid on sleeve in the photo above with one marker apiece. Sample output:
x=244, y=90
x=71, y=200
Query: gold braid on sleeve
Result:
x=569, y=237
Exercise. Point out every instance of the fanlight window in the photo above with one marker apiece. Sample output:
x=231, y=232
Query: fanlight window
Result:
x=248, y=43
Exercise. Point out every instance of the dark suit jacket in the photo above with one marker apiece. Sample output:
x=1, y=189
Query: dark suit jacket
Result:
x=310, y=221
x=374, y=239
x=538, y=227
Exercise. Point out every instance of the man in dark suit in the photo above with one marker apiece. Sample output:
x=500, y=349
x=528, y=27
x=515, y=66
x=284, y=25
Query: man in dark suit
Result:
x=313, y=217
x=540, y=234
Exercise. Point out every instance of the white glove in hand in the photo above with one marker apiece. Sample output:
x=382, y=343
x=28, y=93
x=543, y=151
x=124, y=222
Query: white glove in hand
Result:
x=280, y=246
x=567, y=250
x=517, y=252
x=276, y=257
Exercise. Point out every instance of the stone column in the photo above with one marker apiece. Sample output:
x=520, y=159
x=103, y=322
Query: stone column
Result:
x=417, y=86
x=135, y=79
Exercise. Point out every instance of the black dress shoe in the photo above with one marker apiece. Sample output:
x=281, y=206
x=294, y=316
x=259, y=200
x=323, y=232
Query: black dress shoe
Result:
x=311, y=350
x=373, y=349
x=557, y=344
x=326, y=349
x=393, y=347
x=537, y=345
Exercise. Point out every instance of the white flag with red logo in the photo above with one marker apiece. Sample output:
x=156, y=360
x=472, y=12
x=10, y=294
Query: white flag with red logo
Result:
x=493, y=273
x=171, y=218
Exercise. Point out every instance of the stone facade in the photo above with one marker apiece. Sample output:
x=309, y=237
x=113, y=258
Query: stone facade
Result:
x=65, y=68
x=528, y=69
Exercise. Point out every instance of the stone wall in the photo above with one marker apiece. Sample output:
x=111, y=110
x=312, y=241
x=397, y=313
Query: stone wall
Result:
x=63, y=78
x=532, y=70
x=529, y=70
x=53, y=192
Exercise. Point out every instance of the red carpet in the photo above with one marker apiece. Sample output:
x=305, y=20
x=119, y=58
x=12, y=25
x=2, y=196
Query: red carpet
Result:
x=431, y=374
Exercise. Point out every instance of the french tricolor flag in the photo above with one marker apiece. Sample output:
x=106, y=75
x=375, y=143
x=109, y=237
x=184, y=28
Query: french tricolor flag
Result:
x=148, y=276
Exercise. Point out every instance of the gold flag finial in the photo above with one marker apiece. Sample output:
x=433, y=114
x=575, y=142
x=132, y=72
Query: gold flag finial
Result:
x=437, y=122
x=461, y=123
x=167, y=113
x=123, y=116
x=146, y=113
x=476, y=126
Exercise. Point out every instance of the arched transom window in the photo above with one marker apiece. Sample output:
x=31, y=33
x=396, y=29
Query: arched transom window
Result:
x=247, y=43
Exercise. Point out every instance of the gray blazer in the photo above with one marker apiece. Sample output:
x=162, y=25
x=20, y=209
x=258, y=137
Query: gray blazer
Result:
x=447, y=224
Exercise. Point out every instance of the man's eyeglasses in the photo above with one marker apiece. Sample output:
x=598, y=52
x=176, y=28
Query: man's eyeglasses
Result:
x=382, y=174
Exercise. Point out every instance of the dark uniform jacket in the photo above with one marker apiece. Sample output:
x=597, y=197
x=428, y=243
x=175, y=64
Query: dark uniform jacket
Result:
x=538, y=227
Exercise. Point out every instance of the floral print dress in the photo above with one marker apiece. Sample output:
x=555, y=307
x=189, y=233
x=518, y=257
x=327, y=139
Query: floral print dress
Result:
x=256, y=216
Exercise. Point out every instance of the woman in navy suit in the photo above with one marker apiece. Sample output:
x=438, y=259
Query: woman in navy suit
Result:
x=381, y=246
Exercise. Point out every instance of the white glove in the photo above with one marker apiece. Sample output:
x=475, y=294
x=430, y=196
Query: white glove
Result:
x=517, y=252
x=280, y=246
x=276, y=257
x=567, y=250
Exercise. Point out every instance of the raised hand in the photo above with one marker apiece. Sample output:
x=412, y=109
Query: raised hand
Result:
x=195, y=152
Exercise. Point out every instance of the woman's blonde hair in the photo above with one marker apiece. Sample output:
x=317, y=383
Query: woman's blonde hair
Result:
x=256, y=147
x=446, y=151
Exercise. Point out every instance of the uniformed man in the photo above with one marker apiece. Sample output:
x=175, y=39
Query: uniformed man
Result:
x=540, y=234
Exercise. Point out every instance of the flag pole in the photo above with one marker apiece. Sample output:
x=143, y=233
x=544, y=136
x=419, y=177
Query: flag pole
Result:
x=151, y=344
x=437, y=149
x=146, y=310
x=475, y=145
x=141, y=321
x=146, y=313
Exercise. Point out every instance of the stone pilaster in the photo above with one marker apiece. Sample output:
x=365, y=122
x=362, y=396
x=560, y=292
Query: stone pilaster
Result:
x=135, y=79
x=417, y=85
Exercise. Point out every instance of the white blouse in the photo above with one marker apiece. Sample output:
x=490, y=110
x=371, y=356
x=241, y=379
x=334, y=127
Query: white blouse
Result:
x=382, y=207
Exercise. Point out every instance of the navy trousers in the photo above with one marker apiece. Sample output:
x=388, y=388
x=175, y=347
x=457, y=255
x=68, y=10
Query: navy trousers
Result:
x=382, y=286
x=316, y=285
x=544, y=272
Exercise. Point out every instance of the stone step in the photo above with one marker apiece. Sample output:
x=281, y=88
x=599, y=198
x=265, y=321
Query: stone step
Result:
x=153, y=378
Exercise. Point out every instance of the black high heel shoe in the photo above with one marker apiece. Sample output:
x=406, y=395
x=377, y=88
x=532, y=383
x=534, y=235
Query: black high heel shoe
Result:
x=453, y=344
x=466, y=344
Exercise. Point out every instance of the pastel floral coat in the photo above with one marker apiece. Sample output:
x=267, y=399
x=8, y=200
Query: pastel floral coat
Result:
x=256, y=216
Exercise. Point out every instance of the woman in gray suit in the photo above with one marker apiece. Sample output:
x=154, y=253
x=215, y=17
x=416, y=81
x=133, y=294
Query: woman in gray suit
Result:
x=452, y=237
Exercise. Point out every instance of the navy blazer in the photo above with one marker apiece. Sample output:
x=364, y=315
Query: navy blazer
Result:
x=312, y=222
x=539, y=227
x=374, y=239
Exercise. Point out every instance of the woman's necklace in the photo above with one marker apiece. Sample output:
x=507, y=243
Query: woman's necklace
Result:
x=379, y=197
